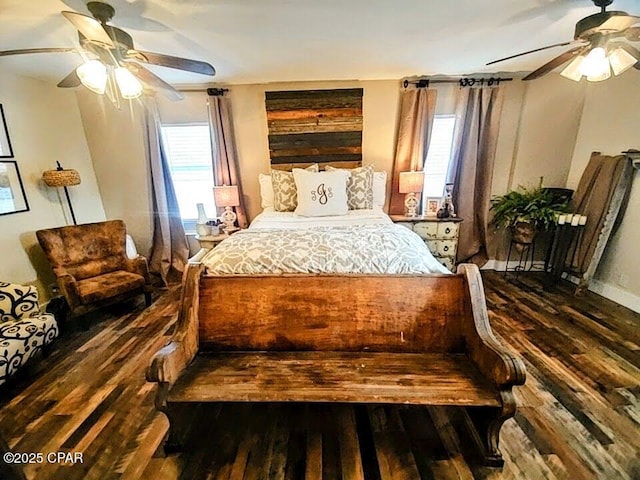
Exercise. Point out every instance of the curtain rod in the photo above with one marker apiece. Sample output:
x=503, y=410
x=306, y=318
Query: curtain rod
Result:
x=209, y=91
x=462, y=81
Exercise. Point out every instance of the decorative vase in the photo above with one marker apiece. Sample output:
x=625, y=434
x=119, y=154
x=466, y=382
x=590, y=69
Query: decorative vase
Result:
x=201, y=223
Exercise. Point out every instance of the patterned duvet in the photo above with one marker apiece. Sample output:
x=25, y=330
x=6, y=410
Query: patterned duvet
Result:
x=381, y=249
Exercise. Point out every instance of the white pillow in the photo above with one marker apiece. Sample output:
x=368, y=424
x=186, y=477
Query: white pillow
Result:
x=266, y=191
x=379, y=188
x=321, y=194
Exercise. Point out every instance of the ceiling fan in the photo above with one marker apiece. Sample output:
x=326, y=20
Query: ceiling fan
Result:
x=111, y=63
x=601, y=45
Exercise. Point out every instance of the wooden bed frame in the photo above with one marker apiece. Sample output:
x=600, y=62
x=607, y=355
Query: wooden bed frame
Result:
x=397, y=339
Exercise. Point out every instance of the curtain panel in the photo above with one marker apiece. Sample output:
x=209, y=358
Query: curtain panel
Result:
x=170, y=250
x=417, y=110
x=471, y=169
x=226, y=170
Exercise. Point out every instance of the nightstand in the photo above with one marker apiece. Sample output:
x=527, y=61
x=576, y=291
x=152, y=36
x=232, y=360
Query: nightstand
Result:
x=440, y=235
x=207, y=242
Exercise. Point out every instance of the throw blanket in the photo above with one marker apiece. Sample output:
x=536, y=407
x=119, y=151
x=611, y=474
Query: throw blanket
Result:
x=381, y=249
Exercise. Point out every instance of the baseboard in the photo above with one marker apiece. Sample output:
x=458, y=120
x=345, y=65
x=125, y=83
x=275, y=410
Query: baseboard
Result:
x=611, y=292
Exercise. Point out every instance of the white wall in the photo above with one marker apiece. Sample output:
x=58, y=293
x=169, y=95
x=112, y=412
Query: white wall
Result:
x=44, y=126
x=611, y=124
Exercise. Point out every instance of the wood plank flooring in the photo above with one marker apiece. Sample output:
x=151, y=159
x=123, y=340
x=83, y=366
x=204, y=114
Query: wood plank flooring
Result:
x=578, y=417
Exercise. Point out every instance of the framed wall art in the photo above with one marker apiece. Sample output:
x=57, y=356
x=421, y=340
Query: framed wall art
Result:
x=12, y=196
x=5, y=143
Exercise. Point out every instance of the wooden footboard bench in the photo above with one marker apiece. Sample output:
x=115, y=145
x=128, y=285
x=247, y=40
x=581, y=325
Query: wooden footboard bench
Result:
x=422, y=340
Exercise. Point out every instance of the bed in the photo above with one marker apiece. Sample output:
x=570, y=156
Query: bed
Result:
x=360, y=242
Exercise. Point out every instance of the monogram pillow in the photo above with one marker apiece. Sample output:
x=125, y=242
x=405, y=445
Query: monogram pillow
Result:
x=321, y=194
x=284, y=189
x=359, y=187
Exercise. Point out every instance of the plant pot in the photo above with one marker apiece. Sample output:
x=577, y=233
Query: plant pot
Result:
x=522, y=234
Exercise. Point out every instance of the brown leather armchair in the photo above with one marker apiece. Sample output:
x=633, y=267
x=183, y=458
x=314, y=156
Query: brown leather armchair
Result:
x=91, y=264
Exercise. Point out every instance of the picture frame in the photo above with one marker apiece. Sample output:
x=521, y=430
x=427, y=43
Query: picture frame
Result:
x=13, y=198
x=432, y=204
x=6, y=151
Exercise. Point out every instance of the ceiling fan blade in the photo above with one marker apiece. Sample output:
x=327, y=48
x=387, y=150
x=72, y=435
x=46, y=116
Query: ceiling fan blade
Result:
x=633, y=34
x=563, y=44
x=555, y=63
x=38, y=50
x=70, y=81
x=91, y=28
x=178, y=63
x=151, y=79
x=618, y=23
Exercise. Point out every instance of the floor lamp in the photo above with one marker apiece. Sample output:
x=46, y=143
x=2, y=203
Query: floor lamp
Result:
x=61, y=177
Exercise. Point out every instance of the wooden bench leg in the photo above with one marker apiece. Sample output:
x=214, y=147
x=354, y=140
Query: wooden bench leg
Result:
x=147, y=298
x=174, y=441
x=175, y=438
x=484, y=424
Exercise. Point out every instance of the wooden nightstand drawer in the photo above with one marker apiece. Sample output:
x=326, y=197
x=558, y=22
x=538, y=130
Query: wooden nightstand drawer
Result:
x=426, y=230
x=442, y=248
x=448, y=230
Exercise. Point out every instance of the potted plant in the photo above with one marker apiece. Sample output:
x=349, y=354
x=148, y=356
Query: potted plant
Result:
x=525, y=212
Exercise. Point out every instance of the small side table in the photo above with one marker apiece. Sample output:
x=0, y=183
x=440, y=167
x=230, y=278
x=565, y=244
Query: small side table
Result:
x=207, y=242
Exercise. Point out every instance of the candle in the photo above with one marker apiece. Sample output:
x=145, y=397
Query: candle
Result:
x=583, y=220
x=562, y=219
x=569, y=217
x=575, y=220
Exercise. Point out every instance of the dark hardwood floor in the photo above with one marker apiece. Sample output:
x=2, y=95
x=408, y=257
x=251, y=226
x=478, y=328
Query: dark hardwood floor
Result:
x=578, y=417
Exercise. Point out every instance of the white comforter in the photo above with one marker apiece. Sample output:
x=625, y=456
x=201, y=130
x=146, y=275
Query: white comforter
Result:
x=362, y=242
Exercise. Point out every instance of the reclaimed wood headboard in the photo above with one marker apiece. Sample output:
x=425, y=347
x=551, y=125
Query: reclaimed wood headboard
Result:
x=315, y=126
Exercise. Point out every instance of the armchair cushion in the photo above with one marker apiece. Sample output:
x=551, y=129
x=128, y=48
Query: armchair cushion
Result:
x=108, y=285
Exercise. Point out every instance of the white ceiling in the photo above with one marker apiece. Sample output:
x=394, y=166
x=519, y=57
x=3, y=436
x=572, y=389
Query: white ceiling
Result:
x=255, y=41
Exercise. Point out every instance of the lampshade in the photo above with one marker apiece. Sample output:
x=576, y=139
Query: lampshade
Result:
x=411, y=182
x=61, y=178
x=595, y=63
x=93, y=75
x=621, y=60
x=130, y=86
x=226, y=196
x=572, y=71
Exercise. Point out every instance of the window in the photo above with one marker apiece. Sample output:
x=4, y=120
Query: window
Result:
x=439, y=155
x=188, y=149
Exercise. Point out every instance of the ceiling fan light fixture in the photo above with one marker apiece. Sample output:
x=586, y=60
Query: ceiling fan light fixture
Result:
x=595, y=64
x=572, y=71
x=621, y=60
x=599, y=77
x=129, y=86
x=93, y=75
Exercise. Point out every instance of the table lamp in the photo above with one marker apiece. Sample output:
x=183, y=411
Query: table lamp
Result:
x=410, y=184
x=227, y=197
